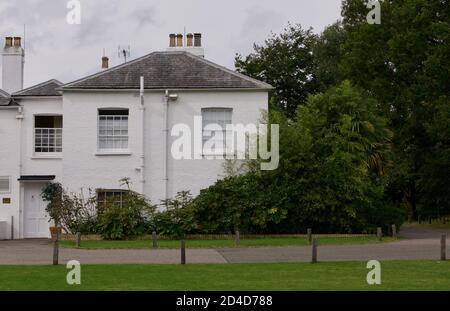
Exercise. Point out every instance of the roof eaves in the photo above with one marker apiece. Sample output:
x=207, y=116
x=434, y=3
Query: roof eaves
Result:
x=260, y=84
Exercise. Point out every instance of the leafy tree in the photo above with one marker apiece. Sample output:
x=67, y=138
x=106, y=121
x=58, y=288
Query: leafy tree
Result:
x=286, y=62
x=434, y=174
x=53, y=194
x=328, y=51
x=331, y=175
x=177, y=220
x=404, y=65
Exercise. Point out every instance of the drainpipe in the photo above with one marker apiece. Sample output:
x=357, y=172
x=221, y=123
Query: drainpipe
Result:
x=166, y=139
x=19, y=118
x=142, y=156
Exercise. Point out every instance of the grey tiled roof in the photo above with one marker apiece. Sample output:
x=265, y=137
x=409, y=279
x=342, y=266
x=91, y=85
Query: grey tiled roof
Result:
x=3, y=94
x=4, y=101
x=47, y=88
x=4, y=98
x=171, y=70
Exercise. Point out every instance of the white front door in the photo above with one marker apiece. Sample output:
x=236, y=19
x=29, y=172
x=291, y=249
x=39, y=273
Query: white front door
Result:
x=36, y=223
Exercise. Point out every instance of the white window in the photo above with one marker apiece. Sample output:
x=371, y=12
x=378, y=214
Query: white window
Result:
x=215, y=134
x=107, y=198
x=48, y=134
x=5, y=184
x=113, y=129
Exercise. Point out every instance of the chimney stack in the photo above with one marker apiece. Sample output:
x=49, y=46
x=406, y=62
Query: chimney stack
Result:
x=190, y=40
x=13, y=60
x=8, y=42
x=193, y=44
x=197, y=39
x=18, y=42
x=105, y=62
x=179, y=40
x=172, y=37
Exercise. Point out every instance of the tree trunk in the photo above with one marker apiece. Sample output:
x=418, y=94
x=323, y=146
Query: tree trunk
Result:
x=411, y=201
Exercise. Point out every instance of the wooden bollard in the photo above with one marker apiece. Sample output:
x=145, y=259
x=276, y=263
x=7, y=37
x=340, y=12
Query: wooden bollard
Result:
x=183, y=252
x=394, y=231
x=443, y=247
x=379, y=233
x=78, y=239
x=314, y=250
x=154, y=240
x=237, y=238
x=56, y=250
x=309, y=235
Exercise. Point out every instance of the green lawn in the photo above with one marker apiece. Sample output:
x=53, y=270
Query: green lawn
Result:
x=139, y=244
x=396, y=275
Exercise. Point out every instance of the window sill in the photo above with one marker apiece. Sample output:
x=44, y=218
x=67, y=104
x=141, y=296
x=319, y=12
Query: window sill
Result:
x=113, y=153
x=57, y=156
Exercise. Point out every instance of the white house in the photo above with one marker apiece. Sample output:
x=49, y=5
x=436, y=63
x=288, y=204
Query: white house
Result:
x=92, y=132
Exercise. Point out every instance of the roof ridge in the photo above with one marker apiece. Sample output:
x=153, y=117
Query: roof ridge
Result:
x=97, y=74
x=18, y=93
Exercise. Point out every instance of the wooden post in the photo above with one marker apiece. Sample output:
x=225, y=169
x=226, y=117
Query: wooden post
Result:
x=314, y=250
x=154, y=240
x=394, y=231
x=78, y=239
x=183, y=252
x=443, y=247
x=309, y=234
x=379, y=233
x=56, y=250
x=12, y=227
x=237, y=238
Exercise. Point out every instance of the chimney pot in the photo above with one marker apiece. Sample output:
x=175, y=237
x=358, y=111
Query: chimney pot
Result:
x=197, y=39
x=179, y=40
x=190, y=40
x=8, y=42
x=105, y=62
x=17, y=41
x=172, y=37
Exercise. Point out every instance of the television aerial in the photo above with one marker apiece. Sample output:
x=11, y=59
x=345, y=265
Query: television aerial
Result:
x=124, y=52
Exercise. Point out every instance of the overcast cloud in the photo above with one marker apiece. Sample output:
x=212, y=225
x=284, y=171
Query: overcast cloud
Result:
x=55, y=49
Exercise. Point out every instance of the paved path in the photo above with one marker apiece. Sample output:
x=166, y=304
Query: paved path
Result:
x=401, y=250
x=39, y=252
x=417, y=244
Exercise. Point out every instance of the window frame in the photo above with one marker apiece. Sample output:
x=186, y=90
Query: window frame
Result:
x=101, y=204
x=55, y=137
x=123, y=138
x=225, y=133
x=8, y=178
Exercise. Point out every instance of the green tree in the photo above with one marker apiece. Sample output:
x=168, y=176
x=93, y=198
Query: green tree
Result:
x=403, y=63
x=331, y=174
x=286, y=62
x=328, y=51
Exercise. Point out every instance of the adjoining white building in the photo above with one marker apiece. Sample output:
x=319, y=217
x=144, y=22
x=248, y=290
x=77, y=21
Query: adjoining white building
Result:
x=92, y=132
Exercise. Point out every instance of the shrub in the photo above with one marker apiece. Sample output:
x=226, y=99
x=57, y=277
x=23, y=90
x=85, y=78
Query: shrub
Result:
x=177, y=219
x=129, y=219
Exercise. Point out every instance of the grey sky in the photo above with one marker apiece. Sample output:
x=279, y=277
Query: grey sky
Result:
x=58, y=50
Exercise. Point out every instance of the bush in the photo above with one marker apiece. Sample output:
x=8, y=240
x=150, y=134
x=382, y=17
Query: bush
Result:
x=130, y=219
x=177, y=220
x=331, y=174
